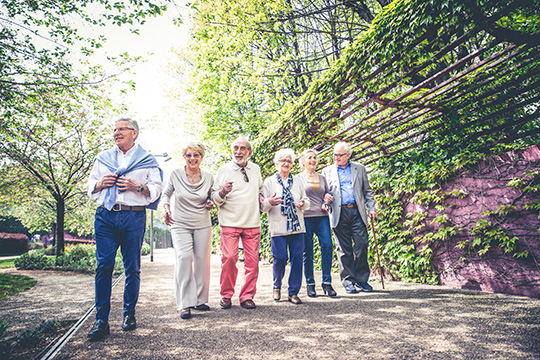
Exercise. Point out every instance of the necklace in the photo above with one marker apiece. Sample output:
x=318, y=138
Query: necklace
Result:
x=193, y=178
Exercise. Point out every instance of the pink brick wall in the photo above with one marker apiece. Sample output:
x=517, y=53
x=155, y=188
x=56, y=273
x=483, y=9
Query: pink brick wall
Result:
x=486, y=187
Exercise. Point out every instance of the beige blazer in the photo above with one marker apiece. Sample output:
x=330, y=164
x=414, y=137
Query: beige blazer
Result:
x=363, y=194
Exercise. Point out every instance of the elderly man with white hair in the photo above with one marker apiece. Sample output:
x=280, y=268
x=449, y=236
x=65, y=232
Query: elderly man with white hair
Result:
x=352, y=194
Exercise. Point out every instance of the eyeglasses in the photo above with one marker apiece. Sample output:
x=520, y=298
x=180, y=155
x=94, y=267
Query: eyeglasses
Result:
x=195, y=156
x=339, y=155
x=285, y=161
x=122, y=129
x=246, y=179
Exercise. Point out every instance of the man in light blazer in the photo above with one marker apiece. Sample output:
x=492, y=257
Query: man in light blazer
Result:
x=352, y=194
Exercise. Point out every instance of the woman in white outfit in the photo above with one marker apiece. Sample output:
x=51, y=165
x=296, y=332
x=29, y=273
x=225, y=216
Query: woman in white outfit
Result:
x=191, y=229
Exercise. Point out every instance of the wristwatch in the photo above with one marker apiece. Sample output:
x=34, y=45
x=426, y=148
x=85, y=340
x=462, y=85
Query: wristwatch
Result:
x=141, y=188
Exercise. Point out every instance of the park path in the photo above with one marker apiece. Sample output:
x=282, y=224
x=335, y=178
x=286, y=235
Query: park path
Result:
x=403, y=321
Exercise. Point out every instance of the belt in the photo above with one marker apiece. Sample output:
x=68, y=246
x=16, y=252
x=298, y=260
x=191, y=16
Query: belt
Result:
x=122, y=207
x=348, y=205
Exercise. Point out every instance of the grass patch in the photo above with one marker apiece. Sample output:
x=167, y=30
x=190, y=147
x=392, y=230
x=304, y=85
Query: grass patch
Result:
x=13, y=284
x=7, y=263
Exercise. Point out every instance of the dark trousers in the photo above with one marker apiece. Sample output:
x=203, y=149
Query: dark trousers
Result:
x=352, y=247
x=124, y=229
x=295, y=243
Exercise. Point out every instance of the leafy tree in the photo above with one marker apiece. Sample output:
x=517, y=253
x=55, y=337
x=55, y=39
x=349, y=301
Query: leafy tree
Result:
x=52, y=107
x=251, y=58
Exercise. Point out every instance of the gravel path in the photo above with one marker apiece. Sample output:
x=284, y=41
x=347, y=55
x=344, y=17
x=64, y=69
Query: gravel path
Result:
x=404, y=321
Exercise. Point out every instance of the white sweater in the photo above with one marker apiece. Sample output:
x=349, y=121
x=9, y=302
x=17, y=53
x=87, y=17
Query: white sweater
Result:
x=277, y=223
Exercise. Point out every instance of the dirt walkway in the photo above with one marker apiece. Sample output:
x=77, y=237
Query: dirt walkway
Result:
x=404, y=321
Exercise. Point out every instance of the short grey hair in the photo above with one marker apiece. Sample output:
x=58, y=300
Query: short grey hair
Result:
x=346, y=146
x=282, y=153
x=242, y=138
x=195, y=145
x=304, y=155
x=131, y=122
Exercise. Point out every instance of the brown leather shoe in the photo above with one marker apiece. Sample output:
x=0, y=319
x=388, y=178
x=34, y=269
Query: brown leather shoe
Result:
x=248, y=304
x=225, y=303
x=295, y=299
x=277, y=294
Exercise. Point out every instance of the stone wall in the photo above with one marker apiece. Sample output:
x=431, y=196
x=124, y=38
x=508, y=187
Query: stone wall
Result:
x=480, y=195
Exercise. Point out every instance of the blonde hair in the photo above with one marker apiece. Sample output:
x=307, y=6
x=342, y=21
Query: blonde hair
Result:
x=195, y=145
x=304, y=155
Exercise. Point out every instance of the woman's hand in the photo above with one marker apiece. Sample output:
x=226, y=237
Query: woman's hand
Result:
x=325, y=207
x=168, y=216
x=328, y=198
x=275, y=200
x=299, y=204
x=209, y=204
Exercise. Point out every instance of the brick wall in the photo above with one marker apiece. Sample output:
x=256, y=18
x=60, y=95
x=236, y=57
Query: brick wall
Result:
x=485, y=188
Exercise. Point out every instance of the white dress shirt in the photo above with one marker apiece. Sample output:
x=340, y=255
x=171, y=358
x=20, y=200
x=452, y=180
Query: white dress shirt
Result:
x=147, y=176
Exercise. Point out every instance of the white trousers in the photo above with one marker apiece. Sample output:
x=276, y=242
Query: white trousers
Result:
x=192, y=266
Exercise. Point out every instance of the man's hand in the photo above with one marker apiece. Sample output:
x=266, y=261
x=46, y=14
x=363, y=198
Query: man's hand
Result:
x=372, y=214
x=127, y=184
x=275, y=200
x=227, y=188
x=209, y=204
x=106, y=182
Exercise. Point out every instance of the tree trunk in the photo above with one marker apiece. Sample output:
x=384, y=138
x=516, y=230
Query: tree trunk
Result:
x=60, y=215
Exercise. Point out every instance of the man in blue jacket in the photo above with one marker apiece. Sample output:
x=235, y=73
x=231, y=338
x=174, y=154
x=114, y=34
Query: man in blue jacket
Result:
x=352, y=194
x=124, y=181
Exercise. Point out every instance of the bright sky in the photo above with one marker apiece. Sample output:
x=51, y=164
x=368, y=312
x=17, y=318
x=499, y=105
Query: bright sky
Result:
x=149, y=104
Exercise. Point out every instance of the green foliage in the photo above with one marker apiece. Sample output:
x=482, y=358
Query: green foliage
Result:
x=52, y=110
x=13, y=284
x=79, y=258
x=145, y=250
x=5, y=345
x=7, y=263
x=34, y=260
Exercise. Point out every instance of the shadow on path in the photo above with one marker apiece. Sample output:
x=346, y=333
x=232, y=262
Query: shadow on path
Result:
x=404, y=321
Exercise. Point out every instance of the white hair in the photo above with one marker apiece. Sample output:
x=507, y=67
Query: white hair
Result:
x=345, y=145
x=282, y=153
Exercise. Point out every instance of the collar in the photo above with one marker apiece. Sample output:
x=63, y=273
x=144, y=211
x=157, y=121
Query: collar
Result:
x=129, y=152
x=346, y=166
x=236, y=167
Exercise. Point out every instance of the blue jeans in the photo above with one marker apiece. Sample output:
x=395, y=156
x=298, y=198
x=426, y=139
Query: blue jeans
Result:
x=319, y=225
x=113, y=229
x=295, y=243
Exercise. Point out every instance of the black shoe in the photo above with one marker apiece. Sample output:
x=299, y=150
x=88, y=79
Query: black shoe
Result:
x=99, y=330
x=185, y=313
x=311, y=291
x=202, y=307
x=129, y=322
x=329, y=290
x=364, y=286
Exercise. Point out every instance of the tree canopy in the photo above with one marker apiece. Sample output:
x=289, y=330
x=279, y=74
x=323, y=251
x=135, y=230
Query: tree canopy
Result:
x=53, y=102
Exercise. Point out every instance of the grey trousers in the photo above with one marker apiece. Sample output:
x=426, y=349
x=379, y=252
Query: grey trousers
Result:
x=192, y=266
x=352, y=247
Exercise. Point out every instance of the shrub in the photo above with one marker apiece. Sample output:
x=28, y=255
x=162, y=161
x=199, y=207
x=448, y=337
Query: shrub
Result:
x=34, y=260
x=5, y=345
x=13, y=244
x=145, y=249
x=36, y=246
